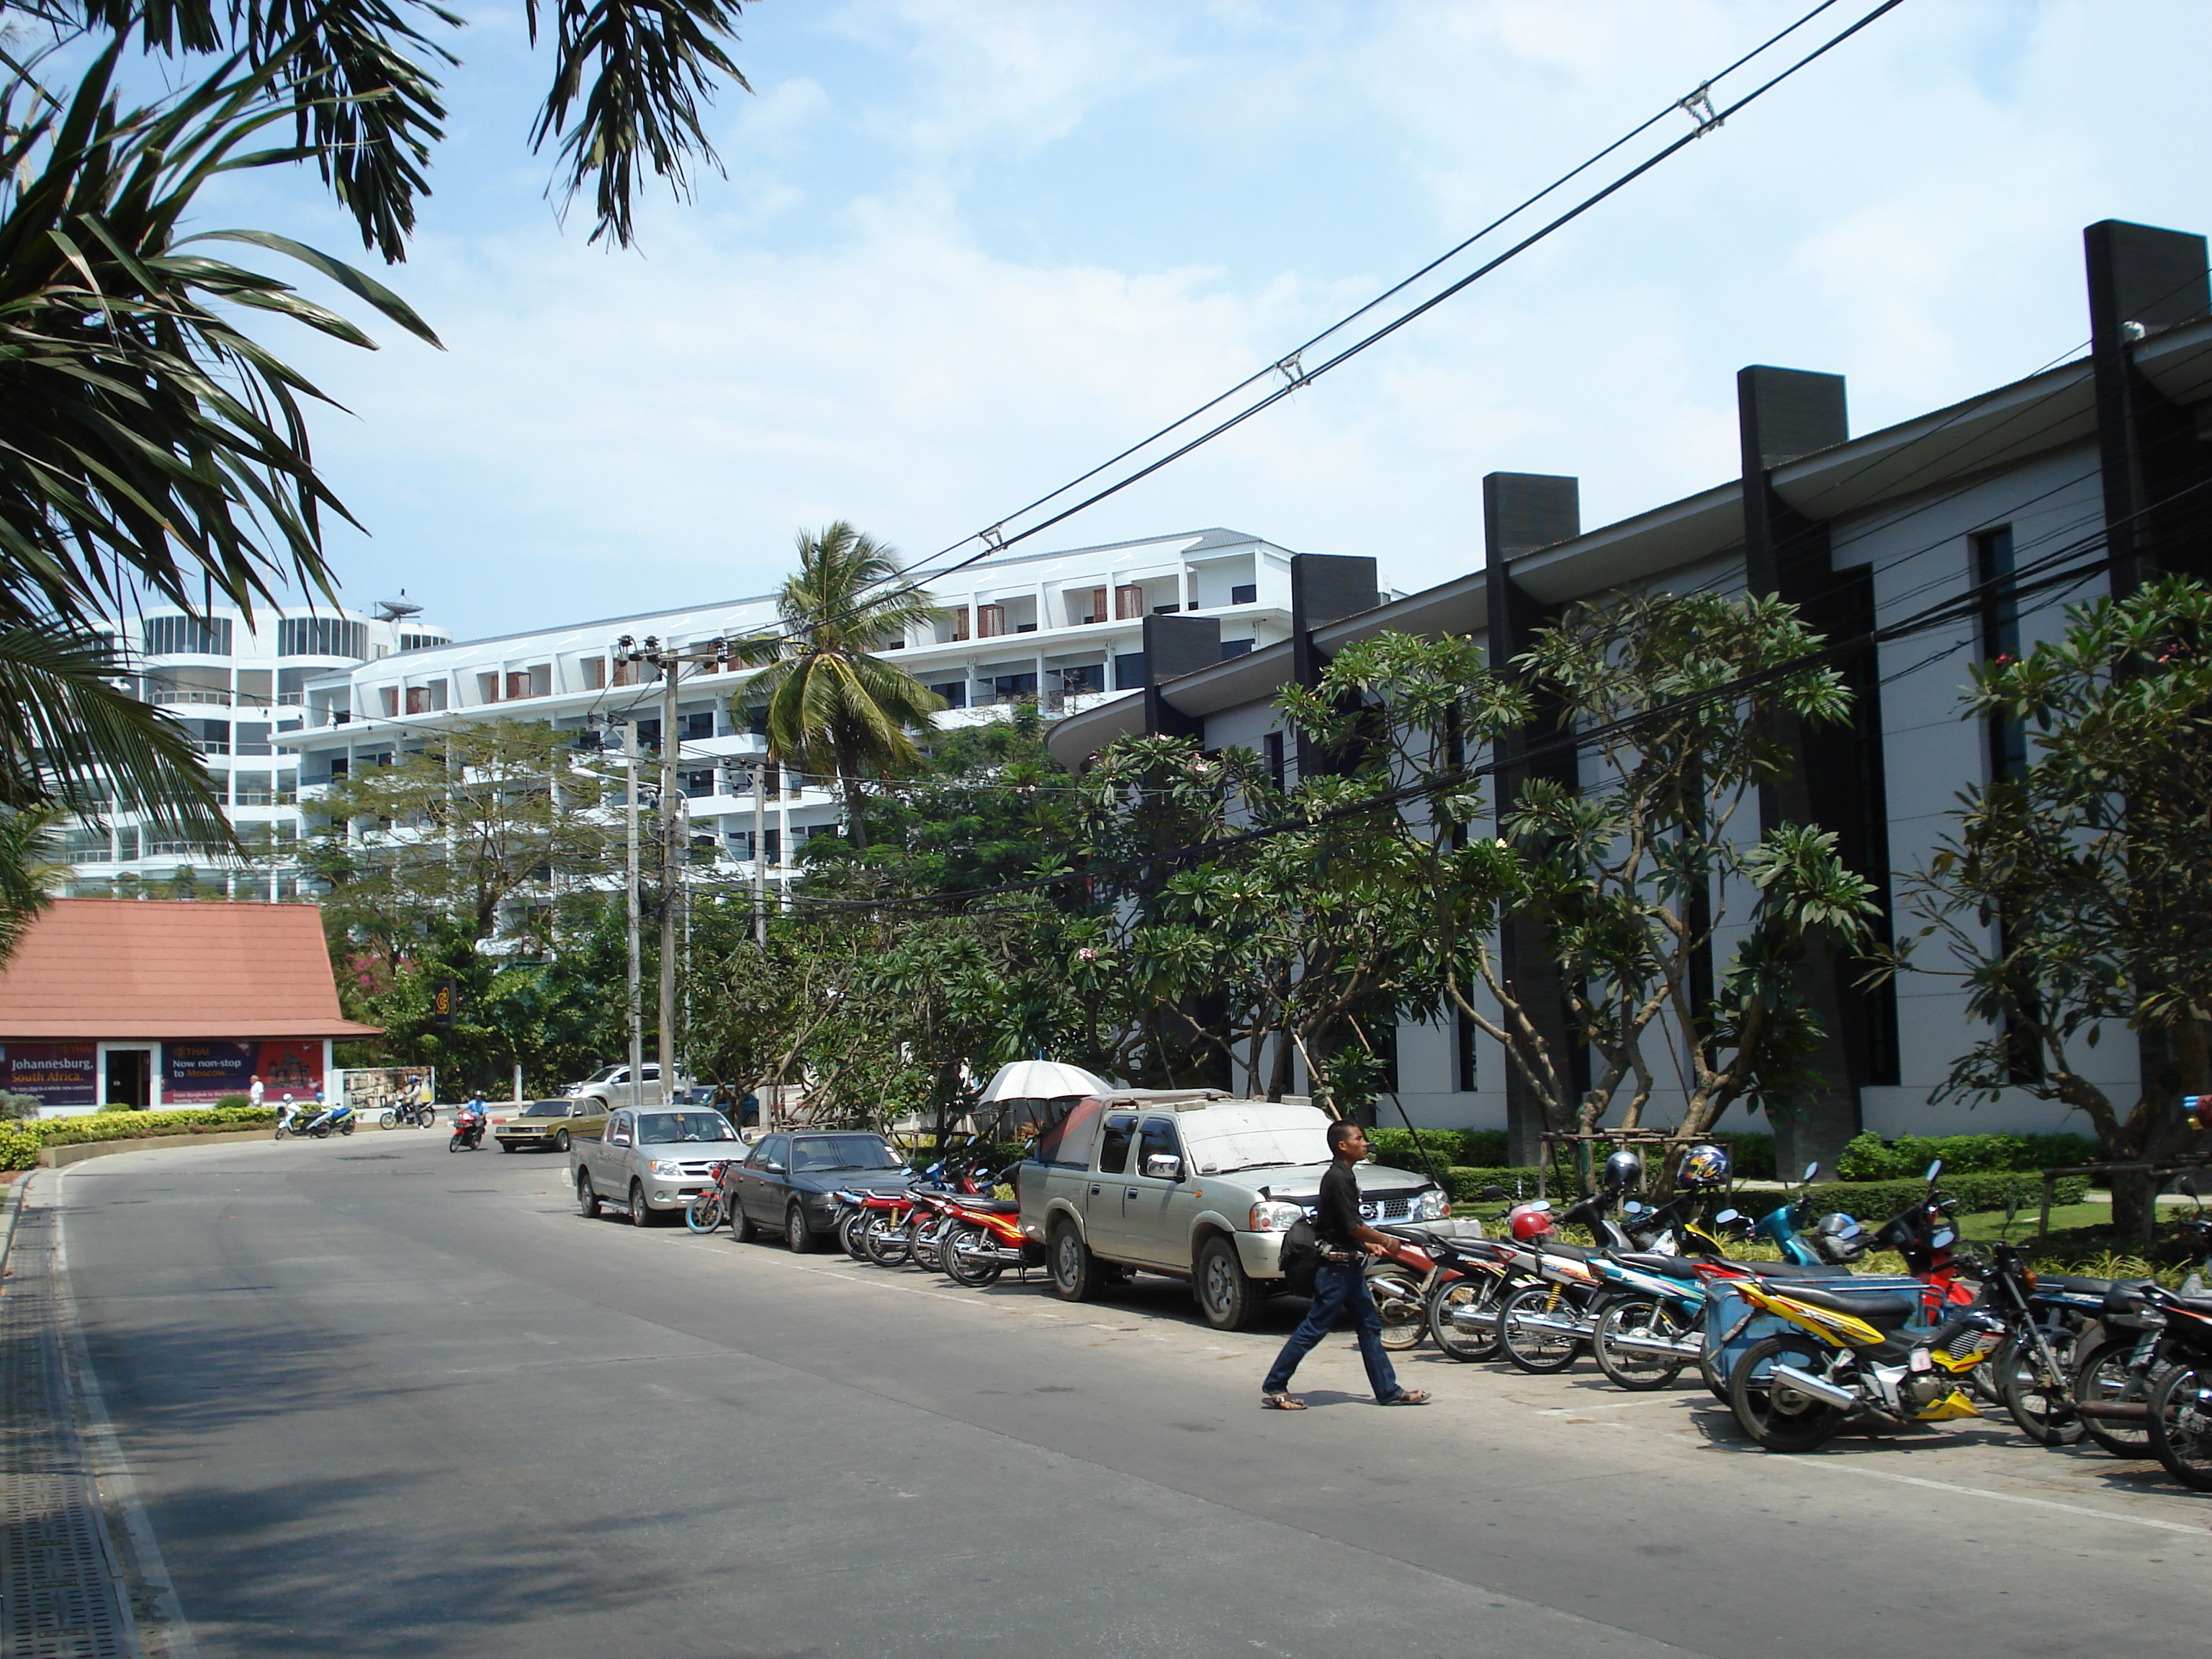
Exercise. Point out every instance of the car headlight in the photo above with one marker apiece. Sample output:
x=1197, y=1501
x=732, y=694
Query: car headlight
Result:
x=667, y=1166
x=1274, y=1217
x=1431, y=1206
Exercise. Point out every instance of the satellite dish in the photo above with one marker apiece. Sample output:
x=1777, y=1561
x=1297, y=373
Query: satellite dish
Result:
x=397, y=610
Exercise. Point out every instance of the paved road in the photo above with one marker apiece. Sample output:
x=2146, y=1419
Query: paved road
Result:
x=381, y=1400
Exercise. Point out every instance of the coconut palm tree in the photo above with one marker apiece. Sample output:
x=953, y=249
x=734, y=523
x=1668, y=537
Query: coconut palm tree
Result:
x=833, y=705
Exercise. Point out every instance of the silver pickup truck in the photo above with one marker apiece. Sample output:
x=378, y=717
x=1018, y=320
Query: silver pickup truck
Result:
x=651, y=1161
x=1194, y=1184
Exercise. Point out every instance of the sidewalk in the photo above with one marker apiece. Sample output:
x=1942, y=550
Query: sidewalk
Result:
x=61, y=1581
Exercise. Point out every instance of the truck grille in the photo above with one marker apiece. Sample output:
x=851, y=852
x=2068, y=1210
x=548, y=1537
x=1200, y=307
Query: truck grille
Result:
x=1394, y=1206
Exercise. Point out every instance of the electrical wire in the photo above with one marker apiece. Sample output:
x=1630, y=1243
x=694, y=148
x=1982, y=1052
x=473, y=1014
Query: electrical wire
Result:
x=995, y=540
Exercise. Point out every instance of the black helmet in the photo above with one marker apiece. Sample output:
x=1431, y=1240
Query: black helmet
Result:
x=1837, y=1238
x=1623, y=1170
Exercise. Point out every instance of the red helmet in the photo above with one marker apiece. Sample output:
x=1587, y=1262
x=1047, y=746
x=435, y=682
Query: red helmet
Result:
x=1528, y=1221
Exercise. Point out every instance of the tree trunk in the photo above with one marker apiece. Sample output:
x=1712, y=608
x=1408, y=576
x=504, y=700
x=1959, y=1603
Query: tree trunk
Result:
x=2135, y=1208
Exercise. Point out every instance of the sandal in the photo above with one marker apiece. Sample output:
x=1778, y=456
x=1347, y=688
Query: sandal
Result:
x=1282, y=1402
x=1407, y=1397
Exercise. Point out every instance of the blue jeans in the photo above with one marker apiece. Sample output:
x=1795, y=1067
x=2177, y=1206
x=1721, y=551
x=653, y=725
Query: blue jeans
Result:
x=1338, y=1291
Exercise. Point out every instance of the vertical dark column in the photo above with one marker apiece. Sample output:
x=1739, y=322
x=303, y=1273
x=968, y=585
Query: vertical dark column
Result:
x=1325, y=588
x=2144, y=281
x=1522, y=513
x=1838, y=780
x=1173, y=646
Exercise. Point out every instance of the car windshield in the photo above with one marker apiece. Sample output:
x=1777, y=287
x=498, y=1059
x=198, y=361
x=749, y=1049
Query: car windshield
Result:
x=1259, y=1136
x=659, y=1128
x=544, y=1109
x=819, y=1152
x=605, y=1074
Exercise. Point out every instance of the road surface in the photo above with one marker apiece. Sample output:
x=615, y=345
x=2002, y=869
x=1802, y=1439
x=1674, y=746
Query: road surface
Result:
x=378, y=1398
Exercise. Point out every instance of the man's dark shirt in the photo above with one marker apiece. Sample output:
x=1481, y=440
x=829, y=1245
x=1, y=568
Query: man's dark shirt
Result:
x=1338, y=1209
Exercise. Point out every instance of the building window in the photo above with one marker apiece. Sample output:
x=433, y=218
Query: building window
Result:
x=389, y=696
x=955, y=693
x=321, y=636
x=1129, y=671
x=990, y=621
x=1235, y=649
x=1272, y=746
x=695, y=726
x=421, y=641
x=1090, y=676
x=1128, y=602
x=1245, y=593
x=595, y=673
x=1463, y=1036
x=182, y=636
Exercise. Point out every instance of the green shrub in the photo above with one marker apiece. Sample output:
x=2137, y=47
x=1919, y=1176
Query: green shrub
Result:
x=1465, y=1183
x=16, y=1105
x=20, y=1143
x=1480, y=1148
x=1874, y=1201
x=121, y=1106
x=234, y=1103
x=1869, y=1157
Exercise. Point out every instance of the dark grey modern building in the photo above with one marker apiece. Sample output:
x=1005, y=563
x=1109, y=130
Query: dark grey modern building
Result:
x=2111, y=453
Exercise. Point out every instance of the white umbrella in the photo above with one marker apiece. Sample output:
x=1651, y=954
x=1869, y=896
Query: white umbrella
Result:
x=1041, y=1079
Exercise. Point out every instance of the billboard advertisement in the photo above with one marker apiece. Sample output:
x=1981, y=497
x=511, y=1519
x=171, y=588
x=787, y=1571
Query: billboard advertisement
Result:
x=200, y=1074
x=51, y=1074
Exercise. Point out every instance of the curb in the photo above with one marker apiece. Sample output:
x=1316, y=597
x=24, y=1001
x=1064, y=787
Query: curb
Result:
x=76, y=1151
x=15, y=1205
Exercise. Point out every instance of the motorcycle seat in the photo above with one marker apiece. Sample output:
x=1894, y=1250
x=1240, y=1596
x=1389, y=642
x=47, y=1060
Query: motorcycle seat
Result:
x=2073, y=1284
x=990, y=1206
x=1674, y=1267
x=1572, y=1252
x=2196, y=1305
x=1884, y=1310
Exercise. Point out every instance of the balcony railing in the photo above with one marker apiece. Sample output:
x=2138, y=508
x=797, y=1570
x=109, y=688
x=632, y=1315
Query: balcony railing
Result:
x=215, y=699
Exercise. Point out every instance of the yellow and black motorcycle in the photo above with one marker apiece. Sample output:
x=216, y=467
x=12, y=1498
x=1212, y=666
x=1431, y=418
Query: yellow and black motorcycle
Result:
x=1872, y=1353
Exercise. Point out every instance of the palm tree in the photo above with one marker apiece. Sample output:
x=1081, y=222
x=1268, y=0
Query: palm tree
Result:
x=833, y=706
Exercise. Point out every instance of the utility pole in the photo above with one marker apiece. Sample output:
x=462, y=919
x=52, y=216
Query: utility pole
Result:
x=760, y=853
x=671, y=820
x=636, y=1011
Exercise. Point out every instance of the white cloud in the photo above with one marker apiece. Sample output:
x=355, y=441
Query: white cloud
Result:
x=967, y=251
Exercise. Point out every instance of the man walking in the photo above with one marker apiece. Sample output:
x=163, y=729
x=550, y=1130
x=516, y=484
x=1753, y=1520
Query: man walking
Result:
x=253, y=1092
x=1341, y=1284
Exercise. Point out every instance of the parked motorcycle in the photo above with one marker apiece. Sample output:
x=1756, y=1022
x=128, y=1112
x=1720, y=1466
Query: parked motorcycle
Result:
x=1848, y=1354
x=330, y=1120
x=2122, y=1356
x=708, y=1209
x=982, y=1238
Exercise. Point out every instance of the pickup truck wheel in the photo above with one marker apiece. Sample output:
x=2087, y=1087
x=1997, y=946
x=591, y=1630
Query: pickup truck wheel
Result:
x=797, y=1236
x=1074, y=1269
x=641, y=1213
x=587, y=1198
x=560, y=1142
x=1225, y=1294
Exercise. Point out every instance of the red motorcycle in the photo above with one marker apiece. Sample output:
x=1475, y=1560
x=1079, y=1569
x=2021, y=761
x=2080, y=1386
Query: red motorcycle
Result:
x=982, y=1238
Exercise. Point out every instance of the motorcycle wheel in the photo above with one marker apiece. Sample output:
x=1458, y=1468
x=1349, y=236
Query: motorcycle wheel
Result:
x=1782, y=1419
x=1716, y=1382
x=387, y=1119
x=454, y=1144
x=883, y=1244
x=922, y=1248
x=1398, y=1299
x=848, y=1234
x=1640, y=1316
x=1454, y=1342
x=703, y=1214
x=2103, y=1375
x=1541, y=1353
x=348, y=1128
x=2043, y=1404
x=2181, y=1424
x=974, y=1271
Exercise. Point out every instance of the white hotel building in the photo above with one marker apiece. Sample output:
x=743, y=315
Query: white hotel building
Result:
x=1064, y=629
x=240, y=690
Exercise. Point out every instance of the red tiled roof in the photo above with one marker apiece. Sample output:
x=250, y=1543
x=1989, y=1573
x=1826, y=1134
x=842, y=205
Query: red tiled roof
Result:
x=172, y=967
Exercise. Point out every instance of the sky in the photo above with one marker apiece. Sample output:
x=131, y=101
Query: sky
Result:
x=962, y=251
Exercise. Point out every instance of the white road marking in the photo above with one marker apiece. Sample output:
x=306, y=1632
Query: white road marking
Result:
x=1835, y=1468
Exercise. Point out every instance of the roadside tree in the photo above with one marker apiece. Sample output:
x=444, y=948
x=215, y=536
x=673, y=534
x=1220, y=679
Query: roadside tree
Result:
x=2074, y=898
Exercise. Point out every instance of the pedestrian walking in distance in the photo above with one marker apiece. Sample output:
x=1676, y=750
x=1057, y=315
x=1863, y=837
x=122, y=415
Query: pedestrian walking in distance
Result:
x=253, y=1092
x=1341, y=1284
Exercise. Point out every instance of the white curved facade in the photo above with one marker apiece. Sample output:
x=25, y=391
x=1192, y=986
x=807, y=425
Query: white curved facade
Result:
x=239, y=688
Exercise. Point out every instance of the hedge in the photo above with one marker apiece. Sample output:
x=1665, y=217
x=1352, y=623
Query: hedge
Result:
x=1485, y=1149
x=1870, y=1158
x=1874, y=1201
x=21, y=1142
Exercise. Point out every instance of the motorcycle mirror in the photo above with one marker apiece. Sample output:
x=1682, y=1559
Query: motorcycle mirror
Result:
x=2186, y=1185
x=1726, y=1215
x=1942, y=1239
x=1632, y=1208
x=1541, y=1206
x=1812, y=1170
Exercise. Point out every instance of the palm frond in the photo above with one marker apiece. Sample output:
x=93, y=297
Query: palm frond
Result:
x=72, y=739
